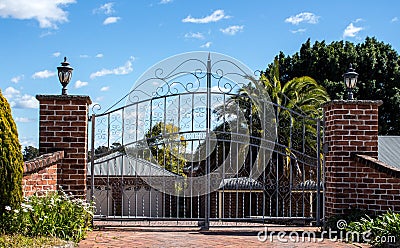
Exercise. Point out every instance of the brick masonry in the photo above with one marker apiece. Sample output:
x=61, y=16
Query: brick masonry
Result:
x=351, y=134
x=40, y=174
x=354, y=178
x=63, y=121
x=377, y=185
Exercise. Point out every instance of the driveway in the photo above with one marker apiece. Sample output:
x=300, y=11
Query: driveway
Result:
x=164, y=236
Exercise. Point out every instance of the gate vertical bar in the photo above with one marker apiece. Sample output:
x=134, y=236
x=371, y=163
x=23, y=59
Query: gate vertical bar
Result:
x=208, y=125
x=325, y=151
x=318, y=212
x=93, y=121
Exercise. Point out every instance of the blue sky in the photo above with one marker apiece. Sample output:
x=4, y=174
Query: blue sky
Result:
x=111, y=43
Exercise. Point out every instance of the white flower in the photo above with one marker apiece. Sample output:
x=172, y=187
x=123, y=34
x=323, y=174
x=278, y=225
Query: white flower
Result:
x=26, y=206
x=16, y=211
x=8, y=208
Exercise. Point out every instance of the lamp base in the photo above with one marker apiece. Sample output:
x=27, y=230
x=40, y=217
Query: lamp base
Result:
x=64, y=91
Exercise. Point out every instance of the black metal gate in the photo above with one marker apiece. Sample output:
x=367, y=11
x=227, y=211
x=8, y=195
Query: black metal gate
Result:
x=199, y=140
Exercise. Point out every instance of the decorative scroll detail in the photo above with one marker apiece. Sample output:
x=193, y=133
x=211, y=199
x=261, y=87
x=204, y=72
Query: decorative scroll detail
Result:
x=174, y=122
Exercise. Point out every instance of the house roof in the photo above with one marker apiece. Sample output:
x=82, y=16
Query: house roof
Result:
x=240, y=183
x=118, y=164
x=389, y=150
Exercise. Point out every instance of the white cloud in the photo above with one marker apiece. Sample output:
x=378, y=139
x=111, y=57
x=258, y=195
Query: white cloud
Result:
x=56, y=54
x=105, y=88
x=27, y=101
x=232, y=30
x=43, y=74
x=99, y=55
x=17, y=100
x=300, y=30
x=122, y=70
x=197, y=35
x=47, y=33
x=351, y=30
x=23, y=119
x=28, y=141
x=359, y=20
x=207, y=45
x=166, y=1
x=306, y=17
x=106, y=9
x=80, y=84
x=111, y=19
x=220, y=89
x=17, y=79
x=395, y=19
x=10, y=92
x=47, y=12
x=214, y=17
x=84, y=56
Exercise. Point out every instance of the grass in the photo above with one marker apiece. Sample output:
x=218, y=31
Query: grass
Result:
x=18, y=240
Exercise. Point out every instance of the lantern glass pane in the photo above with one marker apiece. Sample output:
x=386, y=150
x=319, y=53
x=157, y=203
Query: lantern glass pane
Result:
x=353, y=82
x=347, y=82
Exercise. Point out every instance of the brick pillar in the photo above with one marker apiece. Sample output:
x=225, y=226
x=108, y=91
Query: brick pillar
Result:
x=351, y=127
x=63, y=121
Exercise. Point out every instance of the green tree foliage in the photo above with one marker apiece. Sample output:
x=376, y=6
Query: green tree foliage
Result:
x=298, y=97
x=302, y=95
x=167, y=147
x=102, y=151
x=30, y=152
x=295, y=104
x=377, y=63
x=11, y=161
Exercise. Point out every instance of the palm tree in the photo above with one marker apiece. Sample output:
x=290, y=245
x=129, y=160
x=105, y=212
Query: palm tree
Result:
x=296, y=104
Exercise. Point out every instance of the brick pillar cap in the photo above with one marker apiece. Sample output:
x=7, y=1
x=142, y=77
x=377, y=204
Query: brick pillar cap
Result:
x=64, y=97
x=353, y=102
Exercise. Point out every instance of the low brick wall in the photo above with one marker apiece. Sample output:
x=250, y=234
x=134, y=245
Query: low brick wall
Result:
x=375, y=185
x=41, y=174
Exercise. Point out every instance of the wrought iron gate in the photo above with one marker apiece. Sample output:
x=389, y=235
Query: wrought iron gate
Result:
x=199, y=139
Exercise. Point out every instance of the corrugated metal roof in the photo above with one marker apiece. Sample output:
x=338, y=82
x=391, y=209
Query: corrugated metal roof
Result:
x=308, y=185
x=389, y=150
x=117, y=164
x=241, y=183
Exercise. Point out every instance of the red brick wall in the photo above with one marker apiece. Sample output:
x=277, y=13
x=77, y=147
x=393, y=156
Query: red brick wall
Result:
x=63, y=127
x=352, y=128
x=40, y=174
x=377, y=185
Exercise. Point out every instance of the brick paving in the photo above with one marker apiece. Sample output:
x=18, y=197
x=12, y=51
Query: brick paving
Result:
x=192, y=237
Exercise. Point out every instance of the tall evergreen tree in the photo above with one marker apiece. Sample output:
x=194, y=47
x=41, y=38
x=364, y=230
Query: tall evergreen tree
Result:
x=11, y=161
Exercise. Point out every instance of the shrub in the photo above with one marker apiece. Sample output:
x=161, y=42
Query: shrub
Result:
x=352, y=215
x=55, y=214
x=382, y=230
x=11, y=162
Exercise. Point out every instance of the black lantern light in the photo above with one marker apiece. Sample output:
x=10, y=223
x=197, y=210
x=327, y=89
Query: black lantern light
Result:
x=350, y=80
x=64, y=75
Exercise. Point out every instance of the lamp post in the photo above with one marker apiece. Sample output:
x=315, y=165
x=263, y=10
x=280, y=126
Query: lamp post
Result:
x=64, y=75
x=350, y=80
